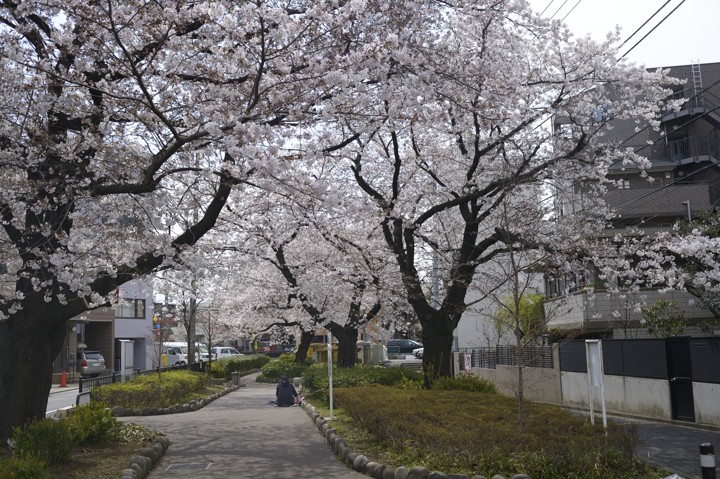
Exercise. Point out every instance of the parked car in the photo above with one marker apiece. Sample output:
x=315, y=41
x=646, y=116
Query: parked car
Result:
x=200, y=348
x=418, y=352
x=90, y=363
x=402, y=346
x=174, y=355
x=224, y=352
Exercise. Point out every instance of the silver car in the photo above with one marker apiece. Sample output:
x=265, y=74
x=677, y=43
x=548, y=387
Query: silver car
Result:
x=91, y=363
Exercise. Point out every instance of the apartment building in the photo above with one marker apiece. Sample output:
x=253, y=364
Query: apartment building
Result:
x=685, y=169
x=127, y=317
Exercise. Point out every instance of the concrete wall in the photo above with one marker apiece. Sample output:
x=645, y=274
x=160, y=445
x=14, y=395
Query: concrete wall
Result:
x=707, y=405
x=539, y=384
x=596, y=312
x=641, y=396
x=623, y=394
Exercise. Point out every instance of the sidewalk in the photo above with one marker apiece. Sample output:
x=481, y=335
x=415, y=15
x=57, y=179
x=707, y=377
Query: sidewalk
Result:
x=240, y=435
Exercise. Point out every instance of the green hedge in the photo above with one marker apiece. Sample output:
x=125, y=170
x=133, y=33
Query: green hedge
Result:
x=476, y=433
x=285, y=366
x=465, y=382
x=170, y=388
x=224, y=367
x=315, y=379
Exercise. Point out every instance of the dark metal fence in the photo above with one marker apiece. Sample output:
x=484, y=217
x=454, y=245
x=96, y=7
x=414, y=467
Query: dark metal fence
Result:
x=489, y=357
x=645, y=358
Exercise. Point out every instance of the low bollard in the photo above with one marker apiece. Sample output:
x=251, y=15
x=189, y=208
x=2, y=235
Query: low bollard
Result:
x=707, y=460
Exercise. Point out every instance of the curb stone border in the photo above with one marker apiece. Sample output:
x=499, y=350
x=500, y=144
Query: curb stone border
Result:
x=362, y=464
x=143, y=462
x=194, y=405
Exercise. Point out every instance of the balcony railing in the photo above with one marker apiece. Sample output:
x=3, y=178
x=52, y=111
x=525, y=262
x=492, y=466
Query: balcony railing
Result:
x=693, y=146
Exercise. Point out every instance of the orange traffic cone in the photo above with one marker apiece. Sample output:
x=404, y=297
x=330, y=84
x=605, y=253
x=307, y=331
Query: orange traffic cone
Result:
x=63, y=380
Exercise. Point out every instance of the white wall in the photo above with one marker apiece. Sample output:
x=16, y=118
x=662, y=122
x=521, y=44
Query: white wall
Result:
x=641, y=396
x=127, y=328
x=139, y=330
x=707, y=403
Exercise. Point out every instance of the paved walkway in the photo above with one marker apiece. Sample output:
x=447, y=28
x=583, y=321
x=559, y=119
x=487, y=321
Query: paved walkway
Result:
x=240, y=435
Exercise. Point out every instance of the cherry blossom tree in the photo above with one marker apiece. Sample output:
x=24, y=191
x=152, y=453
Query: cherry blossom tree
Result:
x=325, y=266
x=462, y=126
x=113, y=116
x=685, y=258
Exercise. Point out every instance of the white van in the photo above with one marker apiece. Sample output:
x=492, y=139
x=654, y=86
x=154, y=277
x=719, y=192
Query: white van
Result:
x=174, y=355
x=180, y=350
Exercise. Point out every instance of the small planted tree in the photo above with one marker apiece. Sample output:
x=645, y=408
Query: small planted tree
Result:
x=664, y=318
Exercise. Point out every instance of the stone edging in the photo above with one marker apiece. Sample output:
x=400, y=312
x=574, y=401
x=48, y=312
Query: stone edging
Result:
x=142, y=463
x=362, y=464
x=194, y=405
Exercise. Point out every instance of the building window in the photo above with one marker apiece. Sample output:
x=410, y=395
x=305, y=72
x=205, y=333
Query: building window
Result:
x=130, y=308
x=601, y=114
x=623, y=184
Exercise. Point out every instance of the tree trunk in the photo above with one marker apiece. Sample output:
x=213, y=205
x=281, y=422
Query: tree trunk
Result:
x=29, y=343
x=305, y=341
x=437, y=338
x=520, y=385
x=347, y=344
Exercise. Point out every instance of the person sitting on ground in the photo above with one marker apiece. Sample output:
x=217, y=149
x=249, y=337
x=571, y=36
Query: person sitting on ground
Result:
x=285, y=393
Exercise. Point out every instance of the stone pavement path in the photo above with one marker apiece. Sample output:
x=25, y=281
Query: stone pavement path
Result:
x=239, y=436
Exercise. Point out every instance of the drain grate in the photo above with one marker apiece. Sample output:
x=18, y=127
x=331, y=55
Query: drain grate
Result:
x=193, y=466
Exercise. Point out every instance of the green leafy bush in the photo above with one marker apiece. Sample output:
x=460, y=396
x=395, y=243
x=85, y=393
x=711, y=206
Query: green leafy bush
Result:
x=23, y=466
x=170, y=388
x=224, y=367
x=50, y=440
x=477, y=433
x=465, y=382
x=286, y=366
x=315, y=378
x=93, y=423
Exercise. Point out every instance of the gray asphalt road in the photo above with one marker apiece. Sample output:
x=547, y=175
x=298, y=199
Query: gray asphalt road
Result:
x=675, y=447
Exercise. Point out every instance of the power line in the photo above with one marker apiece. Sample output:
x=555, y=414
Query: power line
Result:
x=653, y=29
x=556, y=11
x=546, y=7
x=646, y=22
x=573, y=8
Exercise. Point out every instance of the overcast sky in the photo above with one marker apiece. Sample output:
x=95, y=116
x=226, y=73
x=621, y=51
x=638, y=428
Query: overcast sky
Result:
x=689, y=34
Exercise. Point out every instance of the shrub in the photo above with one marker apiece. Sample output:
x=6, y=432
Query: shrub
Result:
x=23, y=466
x=93, y=423
x=172, y=387
x=224, y=367
x=286, y=366
x=464, y=382
x=315, y=378
x=50, y=440
x=476, y=433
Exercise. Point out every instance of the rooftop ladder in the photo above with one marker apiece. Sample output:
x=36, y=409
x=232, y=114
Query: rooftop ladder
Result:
x=697, y=84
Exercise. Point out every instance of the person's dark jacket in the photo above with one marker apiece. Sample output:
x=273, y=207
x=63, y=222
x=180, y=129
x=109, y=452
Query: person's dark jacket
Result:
x=285, y=393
